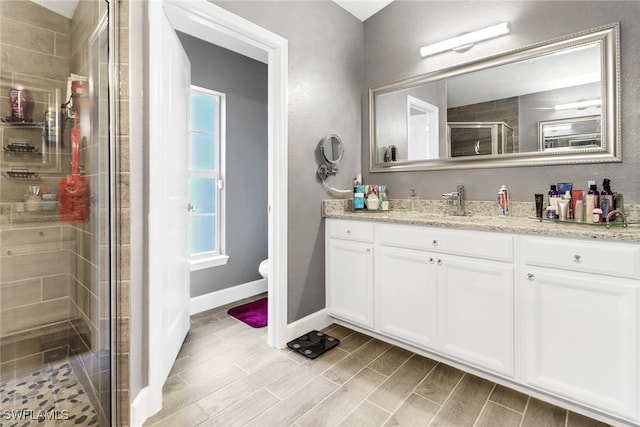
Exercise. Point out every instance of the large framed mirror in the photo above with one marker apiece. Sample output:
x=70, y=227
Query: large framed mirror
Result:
x=498, y=111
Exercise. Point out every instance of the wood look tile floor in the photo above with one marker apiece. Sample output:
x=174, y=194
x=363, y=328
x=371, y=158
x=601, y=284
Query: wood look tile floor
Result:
x=226, y=375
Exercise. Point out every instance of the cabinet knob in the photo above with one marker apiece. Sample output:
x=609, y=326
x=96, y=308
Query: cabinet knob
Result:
x=439, y=262
x=431, y=260
x=531, y=276
x=577, y=258
x=368, y=251
x=434, y=243
x=348, y=232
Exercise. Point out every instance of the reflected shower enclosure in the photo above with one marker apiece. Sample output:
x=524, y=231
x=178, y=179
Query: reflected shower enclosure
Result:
x=55, y=280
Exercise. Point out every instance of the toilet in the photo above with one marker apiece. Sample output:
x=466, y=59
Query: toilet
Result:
x=263, y=269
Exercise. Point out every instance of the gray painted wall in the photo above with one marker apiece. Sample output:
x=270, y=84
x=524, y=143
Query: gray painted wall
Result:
x=244, y=82
x=325, y=82
x=393, y=37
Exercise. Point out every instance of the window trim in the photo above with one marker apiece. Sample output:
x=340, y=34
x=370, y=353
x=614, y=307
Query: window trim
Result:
x=218, y=257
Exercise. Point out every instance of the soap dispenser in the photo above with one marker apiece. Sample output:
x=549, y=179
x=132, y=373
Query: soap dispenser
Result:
x=413, y=201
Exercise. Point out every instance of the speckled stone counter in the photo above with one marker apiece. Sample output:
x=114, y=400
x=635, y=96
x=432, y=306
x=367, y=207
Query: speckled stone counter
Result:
x=480, y=217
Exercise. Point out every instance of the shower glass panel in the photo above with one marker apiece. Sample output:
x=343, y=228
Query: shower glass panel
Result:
x=55, y=282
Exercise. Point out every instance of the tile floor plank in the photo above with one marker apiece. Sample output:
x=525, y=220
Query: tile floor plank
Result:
x=416, y=411
x=465, y=403
x=226, y=375
x=344, y=400
x=402, y=382
x=439, y=384
x=244, y=411
x=494, y=415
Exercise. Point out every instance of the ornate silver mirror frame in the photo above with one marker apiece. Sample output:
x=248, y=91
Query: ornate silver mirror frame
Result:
x=606, y=38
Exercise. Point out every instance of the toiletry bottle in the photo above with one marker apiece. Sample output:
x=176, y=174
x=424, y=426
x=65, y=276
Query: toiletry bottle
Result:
x=553, y=198
x=606, y=194
x=563, y=206
x=503, y=201
x=593, y=200
x=358, y=197
x=597, y=215
x=384, y=201
x=413, y=201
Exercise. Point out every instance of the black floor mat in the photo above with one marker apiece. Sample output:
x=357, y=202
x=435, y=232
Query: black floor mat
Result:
x=313, y=344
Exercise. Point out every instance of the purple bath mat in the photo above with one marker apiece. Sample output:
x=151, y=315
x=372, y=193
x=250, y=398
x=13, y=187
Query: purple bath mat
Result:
x=253, y=314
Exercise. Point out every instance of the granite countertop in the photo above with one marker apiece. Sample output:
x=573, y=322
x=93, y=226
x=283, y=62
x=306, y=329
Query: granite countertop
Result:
x=521, y=221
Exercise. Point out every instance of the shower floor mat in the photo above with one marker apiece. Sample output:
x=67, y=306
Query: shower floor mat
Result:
x=50, y=396
x=253, y=314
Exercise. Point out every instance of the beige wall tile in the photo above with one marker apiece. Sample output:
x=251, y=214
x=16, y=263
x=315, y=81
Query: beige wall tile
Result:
x=25, y=36
x=26, y=266
x=34, y=315
x=55, y=286
x=24, y=292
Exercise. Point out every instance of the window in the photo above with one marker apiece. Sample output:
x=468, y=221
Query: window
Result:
x=206, y=171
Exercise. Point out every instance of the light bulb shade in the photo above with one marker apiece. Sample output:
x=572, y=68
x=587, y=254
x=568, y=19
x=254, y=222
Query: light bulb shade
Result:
x=466, y=39
x=579, y=105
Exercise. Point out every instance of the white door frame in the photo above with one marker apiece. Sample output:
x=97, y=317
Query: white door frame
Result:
x=214, y=24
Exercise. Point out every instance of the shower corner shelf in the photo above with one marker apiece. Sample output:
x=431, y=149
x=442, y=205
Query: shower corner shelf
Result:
x=21, y=174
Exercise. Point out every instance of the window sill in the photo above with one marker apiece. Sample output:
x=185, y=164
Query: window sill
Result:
x=202, y=263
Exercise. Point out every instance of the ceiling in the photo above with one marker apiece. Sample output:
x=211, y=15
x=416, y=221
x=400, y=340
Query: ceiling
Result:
x=362, y=9
x=62, y=7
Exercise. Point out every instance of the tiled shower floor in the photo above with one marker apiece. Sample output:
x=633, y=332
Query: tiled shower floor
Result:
x=50, y=396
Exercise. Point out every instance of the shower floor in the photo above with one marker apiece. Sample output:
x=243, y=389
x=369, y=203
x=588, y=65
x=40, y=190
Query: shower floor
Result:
x=49, y=396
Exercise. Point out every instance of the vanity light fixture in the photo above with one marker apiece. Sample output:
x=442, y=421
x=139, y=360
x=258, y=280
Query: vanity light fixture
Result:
x=580, y=105
x=466, y=40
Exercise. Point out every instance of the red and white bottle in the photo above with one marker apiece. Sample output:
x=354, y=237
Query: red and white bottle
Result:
x=503, y=201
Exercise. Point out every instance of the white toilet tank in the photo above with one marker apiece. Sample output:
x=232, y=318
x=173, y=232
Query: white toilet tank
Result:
x=263, y=269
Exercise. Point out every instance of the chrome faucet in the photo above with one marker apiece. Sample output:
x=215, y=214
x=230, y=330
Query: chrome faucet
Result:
x=457, y=197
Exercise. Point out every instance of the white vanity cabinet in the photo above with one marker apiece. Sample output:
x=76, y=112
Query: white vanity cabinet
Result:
x=555, y=316
x=349, y=271
x=447, y=290
x=580, y=321
x=475, y=312
x=405, y=283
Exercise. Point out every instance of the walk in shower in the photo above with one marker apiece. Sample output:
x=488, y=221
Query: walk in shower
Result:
x=55, y=276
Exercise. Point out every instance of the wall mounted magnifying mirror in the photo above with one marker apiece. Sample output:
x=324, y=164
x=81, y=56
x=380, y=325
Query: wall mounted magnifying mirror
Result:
x=497, y=111
x=331, y=150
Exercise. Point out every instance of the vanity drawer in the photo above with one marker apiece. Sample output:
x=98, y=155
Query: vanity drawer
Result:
x=350, y=230
x=608, y=258
x=477, y=244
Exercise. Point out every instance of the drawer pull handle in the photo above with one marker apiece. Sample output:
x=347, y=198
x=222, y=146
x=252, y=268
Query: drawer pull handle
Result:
x=531, y=277
x=439, y=262
x=431, y=260
x=434, y=243
x=577, y=258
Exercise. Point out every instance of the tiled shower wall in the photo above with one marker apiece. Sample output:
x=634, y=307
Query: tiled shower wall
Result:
x=36, y=301
x=54, y=297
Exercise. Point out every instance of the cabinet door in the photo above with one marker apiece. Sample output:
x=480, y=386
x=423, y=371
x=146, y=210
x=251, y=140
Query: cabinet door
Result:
x=475, y=312
x=580, y=337
x=405, y=295
x=349, y=276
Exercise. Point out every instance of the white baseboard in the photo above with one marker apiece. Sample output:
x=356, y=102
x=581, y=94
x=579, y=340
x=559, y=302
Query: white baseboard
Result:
x=225, y=296
x=315, y=321
x=140, y=411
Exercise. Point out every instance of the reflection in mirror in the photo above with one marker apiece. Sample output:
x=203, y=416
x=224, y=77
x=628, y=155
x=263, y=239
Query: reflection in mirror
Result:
x=332, y=149
x=489, y=112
